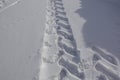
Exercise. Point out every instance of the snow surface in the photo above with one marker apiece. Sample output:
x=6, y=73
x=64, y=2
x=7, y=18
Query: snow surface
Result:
x=59, y=40
x=21, y=33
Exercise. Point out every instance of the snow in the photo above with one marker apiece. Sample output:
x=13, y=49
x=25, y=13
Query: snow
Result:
x=21, y=32
x=95, y=22
x=59, y=40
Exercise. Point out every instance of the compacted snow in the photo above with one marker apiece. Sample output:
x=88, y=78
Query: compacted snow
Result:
x=59, y=40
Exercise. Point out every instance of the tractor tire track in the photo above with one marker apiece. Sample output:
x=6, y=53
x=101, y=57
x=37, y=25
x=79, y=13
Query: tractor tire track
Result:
x=58, y=43
x=106, y=64
x=67, y=43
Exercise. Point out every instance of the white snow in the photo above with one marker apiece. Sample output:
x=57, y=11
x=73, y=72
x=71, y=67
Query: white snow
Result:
x=59, y=40
x=21, y=33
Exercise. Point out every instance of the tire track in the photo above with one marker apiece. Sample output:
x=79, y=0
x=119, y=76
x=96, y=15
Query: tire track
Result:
x=108, y=57
x=112, y=75
x=106, y=64
x=67, y=43
x=59, y=43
